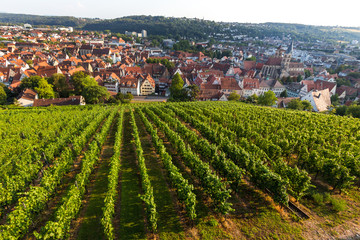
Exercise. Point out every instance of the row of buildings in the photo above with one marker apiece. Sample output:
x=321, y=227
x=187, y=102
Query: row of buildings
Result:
x=122, y=66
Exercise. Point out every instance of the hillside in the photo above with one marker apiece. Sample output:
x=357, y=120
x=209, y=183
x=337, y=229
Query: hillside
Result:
x=200, y=170
x=189, y=28
x=38, y=20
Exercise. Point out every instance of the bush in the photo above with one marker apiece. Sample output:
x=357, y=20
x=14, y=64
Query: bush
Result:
x=327, y=197
x=338, y=204
x=213, y=222
x=318, y=198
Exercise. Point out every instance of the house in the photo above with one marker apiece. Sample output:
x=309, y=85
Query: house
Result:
x=347, y=92
x=319, y=99
x=273, y=85
x=27, y=97
x=112, y=83
x=229, y=85
x=147, y=86
x=249, y=86
x=130, y=84
x=73, y=100
x=210, y=94
x=86, y=49
x=321, y=85
x=296, y=89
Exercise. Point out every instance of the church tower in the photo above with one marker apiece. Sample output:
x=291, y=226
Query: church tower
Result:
x=287, y=56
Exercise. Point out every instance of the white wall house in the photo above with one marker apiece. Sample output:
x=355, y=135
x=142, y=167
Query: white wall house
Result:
x=320, y=100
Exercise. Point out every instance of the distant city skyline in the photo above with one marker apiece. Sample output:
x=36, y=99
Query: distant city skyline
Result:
x=327, y=13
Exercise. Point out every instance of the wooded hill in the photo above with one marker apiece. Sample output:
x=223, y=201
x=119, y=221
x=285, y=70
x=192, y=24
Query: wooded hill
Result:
x=189, y=28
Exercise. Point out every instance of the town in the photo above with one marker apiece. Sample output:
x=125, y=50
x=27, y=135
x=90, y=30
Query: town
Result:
x=171, y=126
x=324, y=74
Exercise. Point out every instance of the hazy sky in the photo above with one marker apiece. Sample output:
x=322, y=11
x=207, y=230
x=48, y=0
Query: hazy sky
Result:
x=315, y=12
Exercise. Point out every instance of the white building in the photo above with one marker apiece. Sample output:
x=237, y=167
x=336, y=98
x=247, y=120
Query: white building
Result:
x=130, y=84
x=28, y=97
x=320, y=100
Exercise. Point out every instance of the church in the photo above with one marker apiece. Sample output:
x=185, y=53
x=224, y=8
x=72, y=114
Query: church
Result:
x=280, y=65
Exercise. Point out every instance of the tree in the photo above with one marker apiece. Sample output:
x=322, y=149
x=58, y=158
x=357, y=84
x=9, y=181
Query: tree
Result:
x=284, y=94
x=192, y=92
x=80, y=80
x=354, y=111
x=95, y=94
x=129, y=96
x=252, y=99
x=8, y=92
x=29, y=62
x=307, y=73
x=335, y=99
x=30, y=82
x=295, y=104
x=182, y=45
x=267, y=99
x=44, y=89
x=226, y=53
x=299, y=78
x=60, y=85
x=342, y=81
x=176, y=93
x=306, y=105
x=155, y=43
x=3, y=96
x=341, y=110
x=234, y=96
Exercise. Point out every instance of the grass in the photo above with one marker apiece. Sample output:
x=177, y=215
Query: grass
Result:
x=334, y=209
x=131, y=217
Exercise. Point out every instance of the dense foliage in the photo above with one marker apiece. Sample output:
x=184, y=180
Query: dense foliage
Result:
x=219, y=147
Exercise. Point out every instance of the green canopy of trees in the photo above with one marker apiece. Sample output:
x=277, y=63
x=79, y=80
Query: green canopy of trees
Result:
x=44, y=89
x=40, y=85
x=169, y=65
x=267, y=99
x=297, y=104
x=80, y=80
x=353, y=110
x=30, y=82
x=95, y=94
x=178, y=93
x=234, y=96
x=60, y=85
x=284, y=94
x=176, y=87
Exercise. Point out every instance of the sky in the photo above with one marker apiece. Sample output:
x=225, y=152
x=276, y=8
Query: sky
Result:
x=313, y=12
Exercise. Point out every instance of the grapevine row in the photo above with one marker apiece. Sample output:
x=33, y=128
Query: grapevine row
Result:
x=216, y=157
x=259, y=174
x=34, y=201
x=211, y=183
x=298, y=180
x=32, y=163
x=111, y=194
x=60, y=228
x=321, y=159
x=148, y=196
x=183, y=188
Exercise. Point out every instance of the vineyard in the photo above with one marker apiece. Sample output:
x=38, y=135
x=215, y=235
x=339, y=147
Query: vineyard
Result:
x=204, y=170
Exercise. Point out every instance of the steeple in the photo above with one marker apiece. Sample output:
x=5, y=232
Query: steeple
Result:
x=290, y=48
